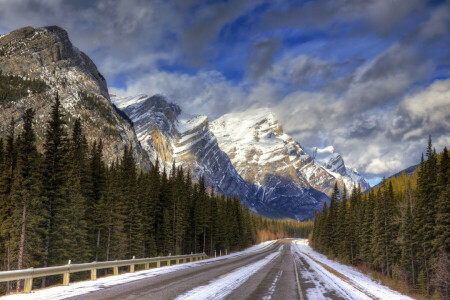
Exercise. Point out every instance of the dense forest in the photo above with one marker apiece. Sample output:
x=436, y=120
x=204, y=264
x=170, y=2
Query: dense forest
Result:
x=401, y=230
x=66, y=203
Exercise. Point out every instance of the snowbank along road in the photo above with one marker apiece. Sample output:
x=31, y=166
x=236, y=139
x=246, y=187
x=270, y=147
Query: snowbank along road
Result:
x=285, y=269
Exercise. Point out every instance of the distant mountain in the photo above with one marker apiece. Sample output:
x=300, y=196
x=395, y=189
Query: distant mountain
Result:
x=171, y=136
x=334, y=164
x=243, y=154
x=408, y=171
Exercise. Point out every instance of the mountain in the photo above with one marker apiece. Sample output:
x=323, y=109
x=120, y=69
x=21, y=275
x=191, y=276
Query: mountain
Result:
x=171, y=136
x=408, y=171
x=242, y=154
x=48, y=56
x=334, y=164
x=264, y=154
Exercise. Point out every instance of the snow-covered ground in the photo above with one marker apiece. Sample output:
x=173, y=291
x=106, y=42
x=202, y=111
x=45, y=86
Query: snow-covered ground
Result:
x=84, y=287
x=220, y=287
x=330, y=277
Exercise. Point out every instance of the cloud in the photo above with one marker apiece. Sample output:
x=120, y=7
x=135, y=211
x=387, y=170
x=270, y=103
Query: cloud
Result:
x=203, y=93
x=261, y=58
x=206, y=22
x=437, y=25
x=424, y=113
x=378, y=15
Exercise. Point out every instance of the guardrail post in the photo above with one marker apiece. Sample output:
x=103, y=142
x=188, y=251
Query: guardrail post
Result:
x=93, y=274
x=226, y=251
x=158, y=264
x=220, y=252
x=168, y=262
x=66, y=276
x=28, y=285
x=177, y=261
x=116, y=270
x=215, y=254
x=147, y=266
x=132, y=266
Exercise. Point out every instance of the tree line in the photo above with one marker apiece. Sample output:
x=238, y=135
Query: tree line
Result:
x=67, y=203
x=13, y=88
x=401, y=229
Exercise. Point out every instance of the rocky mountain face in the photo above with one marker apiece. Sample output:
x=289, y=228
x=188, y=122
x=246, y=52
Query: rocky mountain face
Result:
x=243, y=154
x=47, y=54
x=334, y=164
x=171, y=136
x=263, y=154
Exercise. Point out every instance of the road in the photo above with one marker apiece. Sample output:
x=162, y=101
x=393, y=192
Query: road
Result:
x=276, y=279
x=285, y=269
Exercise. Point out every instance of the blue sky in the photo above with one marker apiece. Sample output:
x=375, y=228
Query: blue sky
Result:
x=369, y=77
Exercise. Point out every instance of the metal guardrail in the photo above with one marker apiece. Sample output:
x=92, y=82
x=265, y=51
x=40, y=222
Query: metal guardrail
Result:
x=66, y=270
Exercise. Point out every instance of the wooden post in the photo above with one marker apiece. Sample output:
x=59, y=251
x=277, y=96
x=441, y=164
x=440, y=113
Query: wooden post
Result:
x=116, y=270
x=66, y=278
x=93, y=274
x=168, y=262
x=147, y=266
x=158, y=264
x=177, y=261
x=28, y=285
x=132, y=266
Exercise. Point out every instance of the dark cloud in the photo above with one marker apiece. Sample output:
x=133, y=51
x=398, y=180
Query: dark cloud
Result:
x=379, y=15
x=207, y=21
x=261, y=58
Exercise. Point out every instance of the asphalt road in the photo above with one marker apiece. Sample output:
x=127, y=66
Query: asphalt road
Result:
x=275, y=280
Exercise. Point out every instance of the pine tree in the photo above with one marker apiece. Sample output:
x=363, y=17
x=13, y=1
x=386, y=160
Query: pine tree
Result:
x=53, y=177
x=26, y=203
x=76, y=241
x=407, y=236
x=6, y=183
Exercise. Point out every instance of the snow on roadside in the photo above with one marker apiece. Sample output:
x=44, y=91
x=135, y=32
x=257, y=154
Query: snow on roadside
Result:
x=348, y=282
x=84, y=287
x=219, y=288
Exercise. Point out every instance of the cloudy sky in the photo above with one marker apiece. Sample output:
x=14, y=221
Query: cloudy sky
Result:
x=371, y=78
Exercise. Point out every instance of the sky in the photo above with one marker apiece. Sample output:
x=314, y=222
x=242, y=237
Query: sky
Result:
x=371, y=78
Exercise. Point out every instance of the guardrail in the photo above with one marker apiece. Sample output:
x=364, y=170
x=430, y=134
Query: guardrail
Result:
x=66, y=270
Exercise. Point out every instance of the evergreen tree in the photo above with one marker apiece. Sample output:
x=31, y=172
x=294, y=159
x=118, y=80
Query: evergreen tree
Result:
x=26, y=203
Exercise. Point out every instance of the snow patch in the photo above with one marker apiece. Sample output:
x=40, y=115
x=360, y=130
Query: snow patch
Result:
x=351, y=285
x=221, y=287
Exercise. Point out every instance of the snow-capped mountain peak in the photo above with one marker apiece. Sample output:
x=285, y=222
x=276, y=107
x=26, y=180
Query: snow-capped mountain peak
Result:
x=334, y=164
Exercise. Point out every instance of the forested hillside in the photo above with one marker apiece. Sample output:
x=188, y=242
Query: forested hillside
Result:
x=67, y=203
x=401, y=229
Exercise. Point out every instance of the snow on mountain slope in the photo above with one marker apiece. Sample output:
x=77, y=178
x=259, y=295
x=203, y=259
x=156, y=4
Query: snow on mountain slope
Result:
x=334, y=164
x=259, y=149
x=264, y=155
x=242, y=154
x=171, y=136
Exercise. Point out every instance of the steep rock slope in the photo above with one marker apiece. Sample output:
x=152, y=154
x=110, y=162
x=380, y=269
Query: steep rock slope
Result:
x=260, y=151
x=47, y=54
x=171, y=136
x=334, y=164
